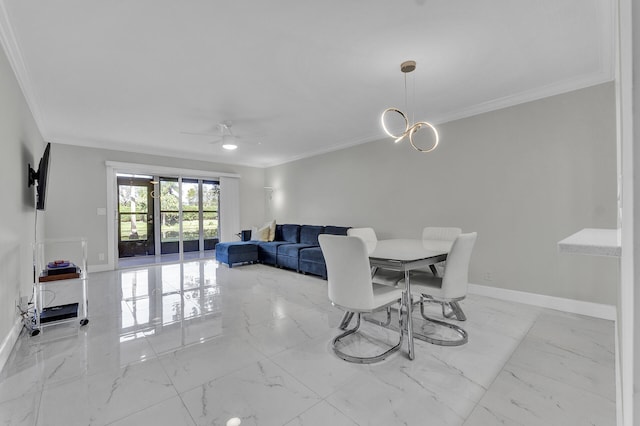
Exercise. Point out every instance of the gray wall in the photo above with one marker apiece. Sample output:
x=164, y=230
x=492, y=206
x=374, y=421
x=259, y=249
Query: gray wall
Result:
x=523, y=177
x=78, y=187
x=21, y=144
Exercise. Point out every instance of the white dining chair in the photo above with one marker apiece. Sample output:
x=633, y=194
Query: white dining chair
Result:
x=379, y=276
x=351, y=289
x=442, y=238
x=451, y=287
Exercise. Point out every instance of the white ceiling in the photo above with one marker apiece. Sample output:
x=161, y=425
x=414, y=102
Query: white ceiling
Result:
x=295, y=77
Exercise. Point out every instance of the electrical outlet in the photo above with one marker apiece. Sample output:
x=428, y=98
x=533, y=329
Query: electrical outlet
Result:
x=488, y=276
x=100, y=256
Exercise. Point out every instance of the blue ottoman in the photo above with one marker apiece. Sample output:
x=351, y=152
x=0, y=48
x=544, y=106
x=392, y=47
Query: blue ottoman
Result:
x=237, y=252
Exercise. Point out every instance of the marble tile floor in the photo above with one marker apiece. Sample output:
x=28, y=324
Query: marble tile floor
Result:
x=197, y=343
x=136, y=261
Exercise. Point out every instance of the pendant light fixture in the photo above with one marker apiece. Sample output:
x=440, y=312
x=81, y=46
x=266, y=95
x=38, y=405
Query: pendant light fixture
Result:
x=391, y=114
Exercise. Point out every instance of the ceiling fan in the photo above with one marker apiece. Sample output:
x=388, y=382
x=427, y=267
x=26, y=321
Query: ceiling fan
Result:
x=227, y=138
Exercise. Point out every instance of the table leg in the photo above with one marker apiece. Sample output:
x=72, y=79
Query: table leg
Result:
x=409, y=309
x=434, y=270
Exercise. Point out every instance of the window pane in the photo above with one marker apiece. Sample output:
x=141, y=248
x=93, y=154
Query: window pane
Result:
x=210, y=223
x=132, y=198
x=190, y=197
x=190, y=226
x=169, y=227
x=210, y=192
x=169, y=194
x=133, y=227
x=124, y=202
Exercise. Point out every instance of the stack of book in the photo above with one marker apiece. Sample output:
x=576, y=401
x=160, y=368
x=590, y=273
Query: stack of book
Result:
x=59, y=270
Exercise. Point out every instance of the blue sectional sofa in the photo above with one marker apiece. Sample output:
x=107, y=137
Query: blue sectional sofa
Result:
x=294, y=247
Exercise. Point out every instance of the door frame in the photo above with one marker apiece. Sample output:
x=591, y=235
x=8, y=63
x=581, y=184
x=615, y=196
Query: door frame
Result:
x=139, y=181
x=184, y=244
x=114, y=167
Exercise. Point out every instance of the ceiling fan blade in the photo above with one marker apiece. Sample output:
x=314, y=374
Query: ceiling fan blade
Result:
x=199, y=134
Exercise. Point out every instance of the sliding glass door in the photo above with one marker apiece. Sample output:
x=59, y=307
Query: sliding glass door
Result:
x=188, y=215
x=166, y=215
x=135, y=216
x=191, y=215
x=169, y=215
x=210, y=214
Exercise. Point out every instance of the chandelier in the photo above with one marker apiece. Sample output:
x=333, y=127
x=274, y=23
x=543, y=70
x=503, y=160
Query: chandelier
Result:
x=410, y=130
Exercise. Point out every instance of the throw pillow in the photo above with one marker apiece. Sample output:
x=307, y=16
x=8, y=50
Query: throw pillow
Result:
x=263, y=233
x=272, y=230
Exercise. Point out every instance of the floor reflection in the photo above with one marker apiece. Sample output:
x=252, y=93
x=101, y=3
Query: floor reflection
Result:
x=171, y=302
x=135, y=261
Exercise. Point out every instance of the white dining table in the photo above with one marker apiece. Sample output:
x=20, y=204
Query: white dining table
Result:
x=405, y=255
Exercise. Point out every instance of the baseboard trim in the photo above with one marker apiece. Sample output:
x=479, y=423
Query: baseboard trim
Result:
x=597, y=310
x=619, y=412
x=9, y=342
x=100, y=268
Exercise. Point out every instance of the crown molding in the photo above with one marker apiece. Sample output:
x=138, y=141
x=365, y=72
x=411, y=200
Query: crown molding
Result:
x=151, y=169
x=554, y=89
x=14, y=56
x=493, y=105
x=109, y=145
x=380, y=135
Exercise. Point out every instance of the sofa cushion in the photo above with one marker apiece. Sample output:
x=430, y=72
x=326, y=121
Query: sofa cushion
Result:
x=311, y=261
x=288, y=255
x=312, y=254
x=291, y=233
x=267, y=251
x=270, y=246
x=336, y=230
x=309, y=234
x=291, y=249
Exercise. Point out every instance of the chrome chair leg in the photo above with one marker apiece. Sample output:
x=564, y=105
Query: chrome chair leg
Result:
x=464, y=337
x=385, y=323
x=364, y=360
x=454, y=312
x=449, y=309
x=346, y=319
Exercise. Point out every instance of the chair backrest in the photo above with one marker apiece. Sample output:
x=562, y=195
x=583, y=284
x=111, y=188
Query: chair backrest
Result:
x=440, y=233
x=368, y=235
x=348, y=271
x=456, y=272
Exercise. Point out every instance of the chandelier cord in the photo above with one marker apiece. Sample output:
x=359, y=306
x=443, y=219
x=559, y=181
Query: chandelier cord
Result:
x=406, y=96
x=413, y=109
